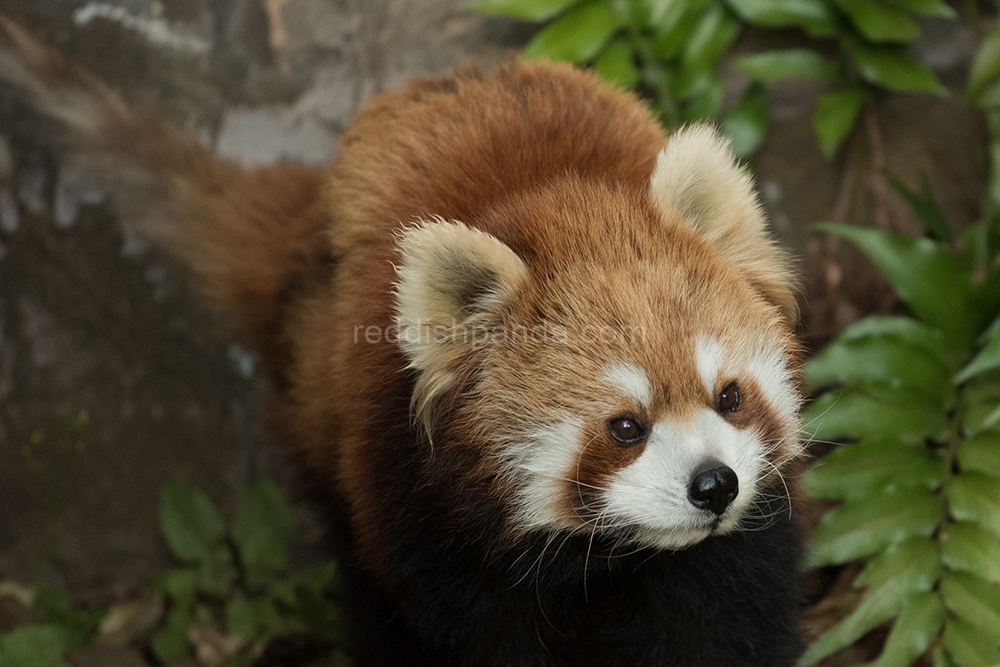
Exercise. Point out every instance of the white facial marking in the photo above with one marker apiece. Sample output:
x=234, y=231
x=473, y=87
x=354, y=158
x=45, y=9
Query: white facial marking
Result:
x=630, y=380
x=539, y=466
x=708, y=356
x=652, y=493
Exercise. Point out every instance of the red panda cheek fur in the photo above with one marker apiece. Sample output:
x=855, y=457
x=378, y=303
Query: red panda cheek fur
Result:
x=503, y=216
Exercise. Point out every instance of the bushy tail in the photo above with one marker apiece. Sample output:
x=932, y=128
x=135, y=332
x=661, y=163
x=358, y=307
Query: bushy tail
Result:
x=245, y=234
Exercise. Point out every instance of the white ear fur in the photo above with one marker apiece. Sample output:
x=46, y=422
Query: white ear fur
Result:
x=697, y=180
x=450, y=278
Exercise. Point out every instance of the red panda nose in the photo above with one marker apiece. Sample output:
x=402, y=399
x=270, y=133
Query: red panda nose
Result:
x=714, y=489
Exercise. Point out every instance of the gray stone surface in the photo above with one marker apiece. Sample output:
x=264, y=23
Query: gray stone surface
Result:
x=94, y=321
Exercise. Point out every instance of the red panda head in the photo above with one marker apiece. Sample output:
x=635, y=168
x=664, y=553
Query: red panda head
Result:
x=621, y=357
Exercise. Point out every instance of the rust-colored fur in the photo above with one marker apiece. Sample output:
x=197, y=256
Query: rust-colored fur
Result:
x=528, y=209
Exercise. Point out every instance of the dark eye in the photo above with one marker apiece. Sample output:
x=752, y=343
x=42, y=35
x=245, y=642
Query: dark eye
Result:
x=729, y=399
x=627, y=430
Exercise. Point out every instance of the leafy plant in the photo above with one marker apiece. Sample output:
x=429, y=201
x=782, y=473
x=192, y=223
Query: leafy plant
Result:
x=232, y=596
x=235, y=582
x=674, y=50
x=918, y=395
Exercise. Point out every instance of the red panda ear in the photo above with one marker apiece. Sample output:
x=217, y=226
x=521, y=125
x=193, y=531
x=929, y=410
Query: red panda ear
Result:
x=697, y=180
x=451, y=278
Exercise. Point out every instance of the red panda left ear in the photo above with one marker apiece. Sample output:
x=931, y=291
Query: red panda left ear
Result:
x=451, y=279
x=698, y=181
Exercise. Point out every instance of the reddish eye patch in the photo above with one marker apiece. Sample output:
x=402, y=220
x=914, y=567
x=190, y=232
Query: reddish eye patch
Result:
x=729, y=399
x=627, y=430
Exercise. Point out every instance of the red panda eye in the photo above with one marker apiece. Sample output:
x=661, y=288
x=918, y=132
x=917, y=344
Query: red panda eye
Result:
x=729, y=399
x=627, y=430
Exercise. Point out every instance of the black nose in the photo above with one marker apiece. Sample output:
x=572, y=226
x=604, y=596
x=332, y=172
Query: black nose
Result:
x=714, y=489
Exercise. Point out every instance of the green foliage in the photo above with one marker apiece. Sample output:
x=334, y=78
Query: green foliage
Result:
x=674, y=52
x=918, y=396
x=237, y=580
x=33, y=646
x=232, y=580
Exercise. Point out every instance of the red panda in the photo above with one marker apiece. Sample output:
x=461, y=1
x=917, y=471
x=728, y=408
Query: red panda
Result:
x=541, y=355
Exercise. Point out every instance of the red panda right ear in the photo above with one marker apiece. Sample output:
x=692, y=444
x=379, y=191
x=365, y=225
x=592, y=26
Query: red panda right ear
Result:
x=451, y=277
x=698, y=181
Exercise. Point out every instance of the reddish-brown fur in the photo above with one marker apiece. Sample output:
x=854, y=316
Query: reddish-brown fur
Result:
x=542, y=157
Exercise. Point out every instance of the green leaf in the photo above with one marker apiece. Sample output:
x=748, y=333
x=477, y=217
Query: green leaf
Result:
x=968, y=548
x=710, y=38
x=975, y=497
x=678, y=23
x=33, y=646
x=880, y=22
x=746, y=123
x=170, y=644
x=860, y=528
x=526, y=10
x=241, y=618
x=936, y=8
x=180, y=586
x=935, y=225
x=926, y=275
x=812, y=15
x=881, y=359
x=262, y=532
x=985, y=70
x=836, y=115
x=852, y=413
x=974, y=600
x=616, y=64
x=706, y=102
x=534, y=11
x=987, y=359
x=892, y=67
x=918, y=625
x=189, y=521
x=857, y=471
x=910, y=567
x=578, y=35
x=968, y=646
x=770, y=66
x=906, y=329
x=982, y=403
x=981, y=454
